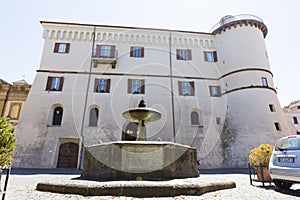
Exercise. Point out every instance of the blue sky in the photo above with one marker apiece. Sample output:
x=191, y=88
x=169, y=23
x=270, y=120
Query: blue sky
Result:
x=21, y=33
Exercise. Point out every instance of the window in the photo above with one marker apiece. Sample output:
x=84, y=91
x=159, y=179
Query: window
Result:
x=184, y=54
x=61, y=47
x=105, y=51
x=277, y=126
x=137, y=52
x=186, y=88
x=264, y=82
x=272, y=108
x=14, y=110
x=210, y=56
x=102, y=85
x=57, y=116
x=295, y=120
x=94, y=116
x=215, y=91
x=54, y=83
x=195, y=118
x=218, y=120
x=136, y=86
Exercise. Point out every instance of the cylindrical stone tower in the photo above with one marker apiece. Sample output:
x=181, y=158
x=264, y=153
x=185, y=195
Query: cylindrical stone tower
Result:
x=254, y=115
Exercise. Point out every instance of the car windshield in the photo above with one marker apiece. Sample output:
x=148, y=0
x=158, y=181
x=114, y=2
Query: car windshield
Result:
x=288, y=143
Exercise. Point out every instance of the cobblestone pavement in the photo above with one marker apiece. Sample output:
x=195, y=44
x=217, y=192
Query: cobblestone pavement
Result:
x=22, y=184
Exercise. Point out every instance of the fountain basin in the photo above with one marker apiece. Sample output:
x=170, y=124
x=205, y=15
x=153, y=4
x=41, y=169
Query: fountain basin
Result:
x=150, y=160
x=142, y=114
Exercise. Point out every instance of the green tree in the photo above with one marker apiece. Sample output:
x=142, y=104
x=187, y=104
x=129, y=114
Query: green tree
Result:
x=7, y=143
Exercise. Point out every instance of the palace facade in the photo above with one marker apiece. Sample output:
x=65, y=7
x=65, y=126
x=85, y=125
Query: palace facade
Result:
x=215, y=91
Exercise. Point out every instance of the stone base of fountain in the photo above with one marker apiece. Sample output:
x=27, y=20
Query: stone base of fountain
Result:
x=147, y=160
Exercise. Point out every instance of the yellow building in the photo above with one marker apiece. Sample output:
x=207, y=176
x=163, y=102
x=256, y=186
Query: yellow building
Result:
x=215, y=91
x=12, y=99
x=292, y=113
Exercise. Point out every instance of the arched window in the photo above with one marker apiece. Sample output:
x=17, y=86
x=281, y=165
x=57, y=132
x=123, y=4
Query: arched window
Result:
x=195, y=118
x=57, y=116
x=94, y=115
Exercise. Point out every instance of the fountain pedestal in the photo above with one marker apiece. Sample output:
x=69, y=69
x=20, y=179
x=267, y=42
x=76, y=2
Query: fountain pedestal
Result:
x=149, y=160
x=145, y=159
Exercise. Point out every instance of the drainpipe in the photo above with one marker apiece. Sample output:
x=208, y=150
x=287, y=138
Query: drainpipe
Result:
x=171, y=81
x=85, y=104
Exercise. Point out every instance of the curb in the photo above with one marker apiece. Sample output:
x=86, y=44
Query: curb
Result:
x=134, y=189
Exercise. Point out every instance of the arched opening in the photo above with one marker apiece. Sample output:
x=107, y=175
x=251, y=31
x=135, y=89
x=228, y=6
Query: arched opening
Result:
x=129, y=133
x=195, y=118
x=57, y=116
x=94, y=116
x=68, y=155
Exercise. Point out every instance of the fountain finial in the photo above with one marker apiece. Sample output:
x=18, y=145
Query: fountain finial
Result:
x=142, y=104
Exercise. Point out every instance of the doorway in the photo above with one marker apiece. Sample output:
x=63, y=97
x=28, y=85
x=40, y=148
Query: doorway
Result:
x=68, y=155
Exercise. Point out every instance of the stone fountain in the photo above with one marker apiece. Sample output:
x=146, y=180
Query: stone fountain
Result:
x=141, y=159
x=142, y=115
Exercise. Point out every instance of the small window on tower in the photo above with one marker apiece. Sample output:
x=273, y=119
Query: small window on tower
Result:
x=272, y=108
x=295, y=120
x=277, y=126
x=264, y=82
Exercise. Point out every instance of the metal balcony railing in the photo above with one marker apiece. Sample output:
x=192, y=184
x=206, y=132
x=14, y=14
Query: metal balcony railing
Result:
x=105, y=57
x=229, y=18
x=105, y=54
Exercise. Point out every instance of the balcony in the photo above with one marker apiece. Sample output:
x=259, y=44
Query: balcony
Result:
x=105, y=57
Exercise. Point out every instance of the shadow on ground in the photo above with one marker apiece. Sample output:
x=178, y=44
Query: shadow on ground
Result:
x=225, y=171
x=19, y=171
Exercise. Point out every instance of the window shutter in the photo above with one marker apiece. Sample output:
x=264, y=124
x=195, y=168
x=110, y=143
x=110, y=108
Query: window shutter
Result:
x=108, y=85
x=142, y=52
x=219, y=91
x=98, y=50
x=215, y=56
x=49, y=83
x=96, y=85
x=61, y=83
x=56, y=45
x=112, y=51
x=131, y=51
x=192, y=88
x=142, y=86
x=180, y=87
x=205, y=56
x=189, y=54
x=67, y=48
x=129, y=86
x=178, y=54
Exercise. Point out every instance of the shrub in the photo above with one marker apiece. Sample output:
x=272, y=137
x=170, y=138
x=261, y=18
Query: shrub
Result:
x=261, y=155
x=7, y=140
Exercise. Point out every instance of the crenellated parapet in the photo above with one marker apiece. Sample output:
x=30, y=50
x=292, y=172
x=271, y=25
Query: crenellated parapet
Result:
x=126, y=35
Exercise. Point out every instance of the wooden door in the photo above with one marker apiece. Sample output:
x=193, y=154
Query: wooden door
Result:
x=68, y=155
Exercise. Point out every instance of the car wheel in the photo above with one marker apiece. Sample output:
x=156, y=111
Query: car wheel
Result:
x=283, y=184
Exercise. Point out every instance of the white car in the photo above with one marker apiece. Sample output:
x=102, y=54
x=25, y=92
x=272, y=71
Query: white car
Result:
x=285, y=162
